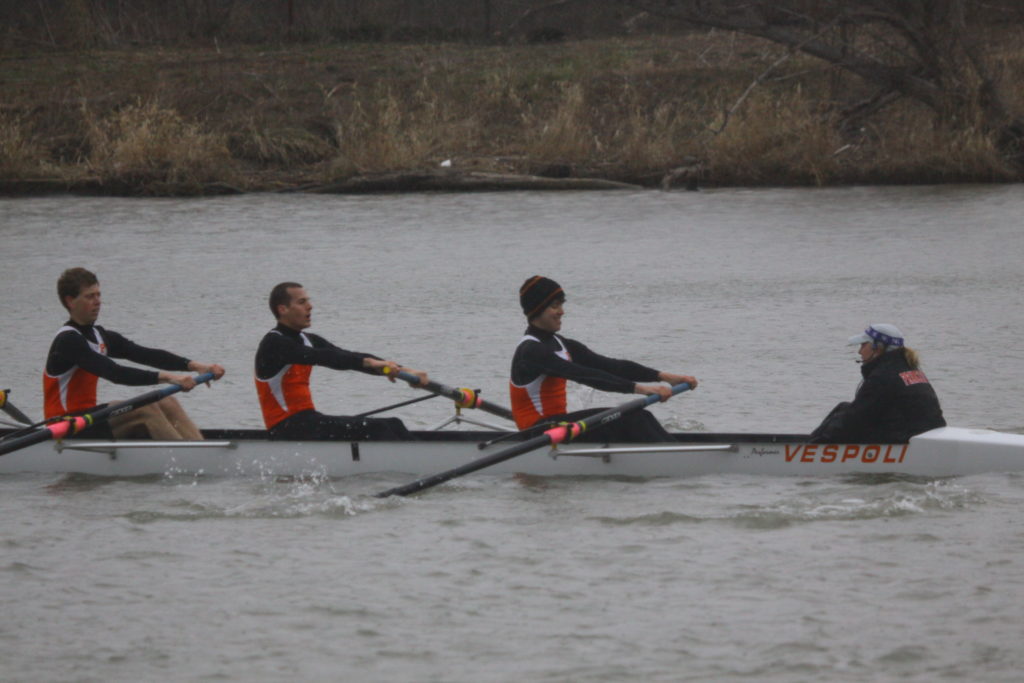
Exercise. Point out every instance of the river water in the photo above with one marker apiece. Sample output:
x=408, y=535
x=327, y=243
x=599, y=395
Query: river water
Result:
x=495, y=578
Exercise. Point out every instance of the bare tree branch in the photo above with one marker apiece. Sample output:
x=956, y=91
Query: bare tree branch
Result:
x=919, y=49
x=750, y=88
x=537, y=10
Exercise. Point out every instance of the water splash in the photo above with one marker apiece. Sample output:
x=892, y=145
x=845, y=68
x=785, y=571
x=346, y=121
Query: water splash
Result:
x=895, y=499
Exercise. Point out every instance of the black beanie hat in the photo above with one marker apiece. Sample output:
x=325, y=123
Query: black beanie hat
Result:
x=537, y=293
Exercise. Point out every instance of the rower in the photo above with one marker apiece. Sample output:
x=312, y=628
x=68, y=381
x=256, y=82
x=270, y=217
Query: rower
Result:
x=81, y=353
x=284, y=362
x=894, y=401
x=544, y=360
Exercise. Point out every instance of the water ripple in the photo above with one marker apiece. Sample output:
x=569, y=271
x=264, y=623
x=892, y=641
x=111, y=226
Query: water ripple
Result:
x=652, y=519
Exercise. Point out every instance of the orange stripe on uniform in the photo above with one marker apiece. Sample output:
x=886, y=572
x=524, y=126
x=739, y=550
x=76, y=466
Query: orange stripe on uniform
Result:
x=543, y=397
x=75, y=389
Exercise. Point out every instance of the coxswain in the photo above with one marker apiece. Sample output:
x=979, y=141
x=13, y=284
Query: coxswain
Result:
x=81, y=353
x=544, y=361
x=894, y=401
x=284, y=362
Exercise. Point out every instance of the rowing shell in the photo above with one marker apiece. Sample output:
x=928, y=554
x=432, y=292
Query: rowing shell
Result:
x=949, y=451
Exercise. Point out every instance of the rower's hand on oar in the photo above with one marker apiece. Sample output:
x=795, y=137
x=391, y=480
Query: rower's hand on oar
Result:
x=213, y=368
x=424, y=380
x=660, y=390
x=390, y=369
x=186, y=382
x=674, y=379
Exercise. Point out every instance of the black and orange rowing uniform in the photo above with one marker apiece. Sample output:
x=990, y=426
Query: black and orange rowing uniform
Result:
x=542, y=363
x=284, y=362
x=81, y=354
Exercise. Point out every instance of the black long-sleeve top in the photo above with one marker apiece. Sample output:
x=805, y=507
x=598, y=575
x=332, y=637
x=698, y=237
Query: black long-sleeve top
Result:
x=284, y=346
x=533, y=359
x=892, y=404
x=70, y=349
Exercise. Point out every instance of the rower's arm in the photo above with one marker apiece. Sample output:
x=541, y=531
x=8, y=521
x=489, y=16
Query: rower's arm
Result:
x=626, y=369
x=544, y=361
x=276, y=351
x=72, y=349
x=119, y=346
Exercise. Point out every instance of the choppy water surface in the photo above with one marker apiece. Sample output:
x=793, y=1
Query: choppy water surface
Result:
x=496, y=578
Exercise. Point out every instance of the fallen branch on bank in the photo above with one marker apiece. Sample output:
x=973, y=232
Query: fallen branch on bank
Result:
x=458, y=181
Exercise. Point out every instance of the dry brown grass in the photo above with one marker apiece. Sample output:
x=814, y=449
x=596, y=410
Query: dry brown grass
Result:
x=772, y=140
x=380, y=132
x=629, y=109
x=147, y=144
x=564, y=135
x=935, y=154
x=287, y=147
x=21, y=156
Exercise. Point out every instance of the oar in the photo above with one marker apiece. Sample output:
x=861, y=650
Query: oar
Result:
x=464, y=398
x=555, y=435
x=73, y=425
x=537, y=428
x=35, y=425
x=385, y=409
x=9, y=408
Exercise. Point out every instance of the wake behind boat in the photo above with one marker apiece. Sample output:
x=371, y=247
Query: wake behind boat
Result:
x=943, y=452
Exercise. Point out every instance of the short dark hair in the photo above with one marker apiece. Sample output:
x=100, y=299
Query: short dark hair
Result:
x=280, y=296
x=72, y=281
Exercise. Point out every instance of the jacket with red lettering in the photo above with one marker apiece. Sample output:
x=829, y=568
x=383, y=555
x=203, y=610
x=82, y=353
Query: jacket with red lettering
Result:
x=81, y=354
x=284, y=362
x=542, y=363
x=892, y=404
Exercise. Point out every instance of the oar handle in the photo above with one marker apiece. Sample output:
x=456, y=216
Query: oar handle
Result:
x=553, y=436
x=466, y=398
x=73, y=425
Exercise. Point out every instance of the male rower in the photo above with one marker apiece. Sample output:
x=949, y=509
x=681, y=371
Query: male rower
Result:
x=544, y=360
x=81, y=353
x=284, y=361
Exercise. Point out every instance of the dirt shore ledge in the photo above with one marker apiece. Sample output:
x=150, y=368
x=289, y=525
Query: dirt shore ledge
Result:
x=671, y=112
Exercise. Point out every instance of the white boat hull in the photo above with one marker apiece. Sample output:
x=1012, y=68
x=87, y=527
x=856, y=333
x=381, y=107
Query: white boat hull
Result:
x=945, y=452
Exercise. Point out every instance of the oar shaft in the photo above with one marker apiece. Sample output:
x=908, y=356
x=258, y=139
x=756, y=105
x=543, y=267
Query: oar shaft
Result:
x=552, y=436
x=115, y=409
x=23, y=441
x=612, y=414
x=385, y=409
x=460, y=396
x=60, y=429
x=10, y=409
x=433, y=480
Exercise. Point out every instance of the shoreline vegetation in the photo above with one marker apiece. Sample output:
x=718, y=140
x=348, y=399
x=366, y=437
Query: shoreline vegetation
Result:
x=684, y=110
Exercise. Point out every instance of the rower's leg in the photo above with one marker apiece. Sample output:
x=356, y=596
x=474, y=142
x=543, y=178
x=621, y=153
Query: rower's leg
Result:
x=179, y=419
x=164, y=420
x=145, y=422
